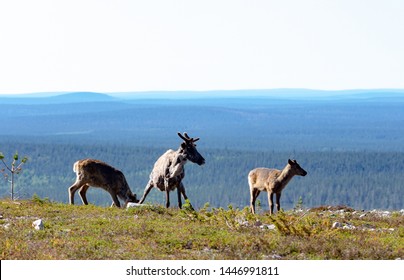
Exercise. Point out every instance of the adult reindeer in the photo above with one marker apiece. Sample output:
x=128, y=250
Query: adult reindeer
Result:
x=168, y=171
x=95, y=173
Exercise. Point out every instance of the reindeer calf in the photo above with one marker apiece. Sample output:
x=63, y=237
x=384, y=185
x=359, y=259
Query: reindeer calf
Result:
x=273, y=181
x=95, y=173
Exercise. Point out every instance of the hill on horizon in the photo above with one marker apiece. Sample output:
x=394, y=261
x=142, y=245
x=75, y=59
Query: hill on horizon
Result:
x=277, y=94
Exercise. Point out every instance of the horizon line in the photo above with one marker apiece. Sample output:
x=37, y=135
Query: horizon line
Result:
x=57, y=93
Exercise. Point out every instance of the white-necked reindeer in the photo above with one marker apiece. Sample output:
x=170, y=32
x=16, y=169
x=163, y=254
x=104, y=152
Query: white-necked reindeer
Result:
x=272, y=181
x=95, y=173
x=168, y=171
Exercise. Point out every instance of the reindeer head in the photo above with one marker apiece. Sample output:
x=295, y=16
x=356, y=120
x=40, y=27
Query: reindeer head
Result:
x=188, y=148
x=296, y=168
x=132, y=198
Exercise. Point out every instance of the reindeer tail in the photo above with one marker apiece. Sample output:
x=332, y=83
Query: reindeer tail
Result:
x=76, y=167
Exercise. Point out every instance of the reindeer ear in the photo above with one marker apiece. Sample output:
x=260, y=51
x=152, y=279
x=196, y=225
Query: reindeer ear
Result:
x=290, y=162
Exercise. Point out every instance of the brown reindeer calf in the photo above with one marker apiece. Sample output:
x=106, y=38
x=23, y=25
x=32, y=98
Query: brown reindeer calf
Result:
x=95, y=173
x=273, y=181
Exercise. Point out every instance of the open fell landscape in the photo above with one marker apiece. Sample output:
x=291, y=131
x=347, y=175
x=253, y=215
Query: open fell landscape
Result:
x=154, y=232
x=352, y=147
x=351, y=143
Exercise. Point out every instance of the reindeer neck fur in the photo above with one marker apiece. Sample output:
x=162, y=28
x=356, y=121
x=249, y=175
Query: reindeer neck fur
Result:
x=180, y=157
x=285, y=176
x=177, y=163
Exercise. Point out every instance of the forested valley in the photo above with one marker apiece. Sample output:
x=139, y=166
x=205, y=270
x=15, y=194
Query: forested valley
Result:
x=353, y=150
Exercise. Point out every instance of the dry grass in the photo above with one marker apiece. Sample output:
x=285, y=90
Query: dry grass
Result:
x=153, y=232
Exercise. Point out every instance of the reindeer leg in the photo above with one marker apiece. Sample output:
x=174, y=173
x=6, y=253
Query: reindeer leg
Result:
x=179, y=197
x=270, y=202
x=167, y=190
x=148, y=188
x=167, y=198
x=184, y=195
x=72, y=190
x=278, y=201
x=82, y=193
x=254, y=194
x=252, y=201
x=115, y=200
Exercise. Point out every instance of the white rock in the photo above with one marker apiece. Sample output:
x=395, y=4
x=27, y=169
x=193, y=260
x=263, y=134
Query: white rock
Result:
x=38, y=224
x=276, y=257
x=132, y=204
x=7, y=226
x=385, y=213
x=265, y=226
x=348, y=226
x=336, y=225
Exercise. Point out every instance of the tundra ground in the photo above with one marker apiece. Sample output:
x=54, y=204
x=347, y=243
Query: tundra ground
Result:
x=154, y=232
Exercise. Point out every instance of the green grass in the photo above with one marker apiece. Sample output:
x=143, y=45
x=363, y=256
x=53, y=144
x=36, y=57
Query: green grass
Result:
x=153, y=232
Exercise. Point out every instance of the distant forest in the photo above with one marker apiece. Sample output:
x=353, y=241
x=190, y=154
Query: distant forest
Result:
x=353, y=150
x=364, y=180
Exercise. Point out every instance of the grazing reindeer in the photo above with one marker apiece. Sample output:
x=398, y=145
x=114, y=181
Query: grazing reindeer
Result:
x=95, y=173
x=272, y=181
x=168, y=171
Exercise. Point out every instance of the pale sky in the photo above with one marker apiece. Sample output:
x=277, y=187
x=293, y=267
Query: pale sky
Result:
x=132, y=45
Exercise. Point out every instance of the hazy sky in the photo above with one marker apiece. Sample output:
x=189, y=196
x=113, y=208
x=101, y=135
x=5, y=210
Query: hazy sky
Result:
x=130, y=45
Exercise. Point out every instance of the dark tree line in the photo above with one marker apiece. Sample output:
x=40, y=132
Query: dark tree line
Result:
x=360, y=179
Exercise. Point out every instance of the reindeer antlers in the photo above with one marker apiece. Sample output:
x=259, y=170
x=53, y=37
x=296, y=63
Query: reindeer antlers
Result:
x=186, y=138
